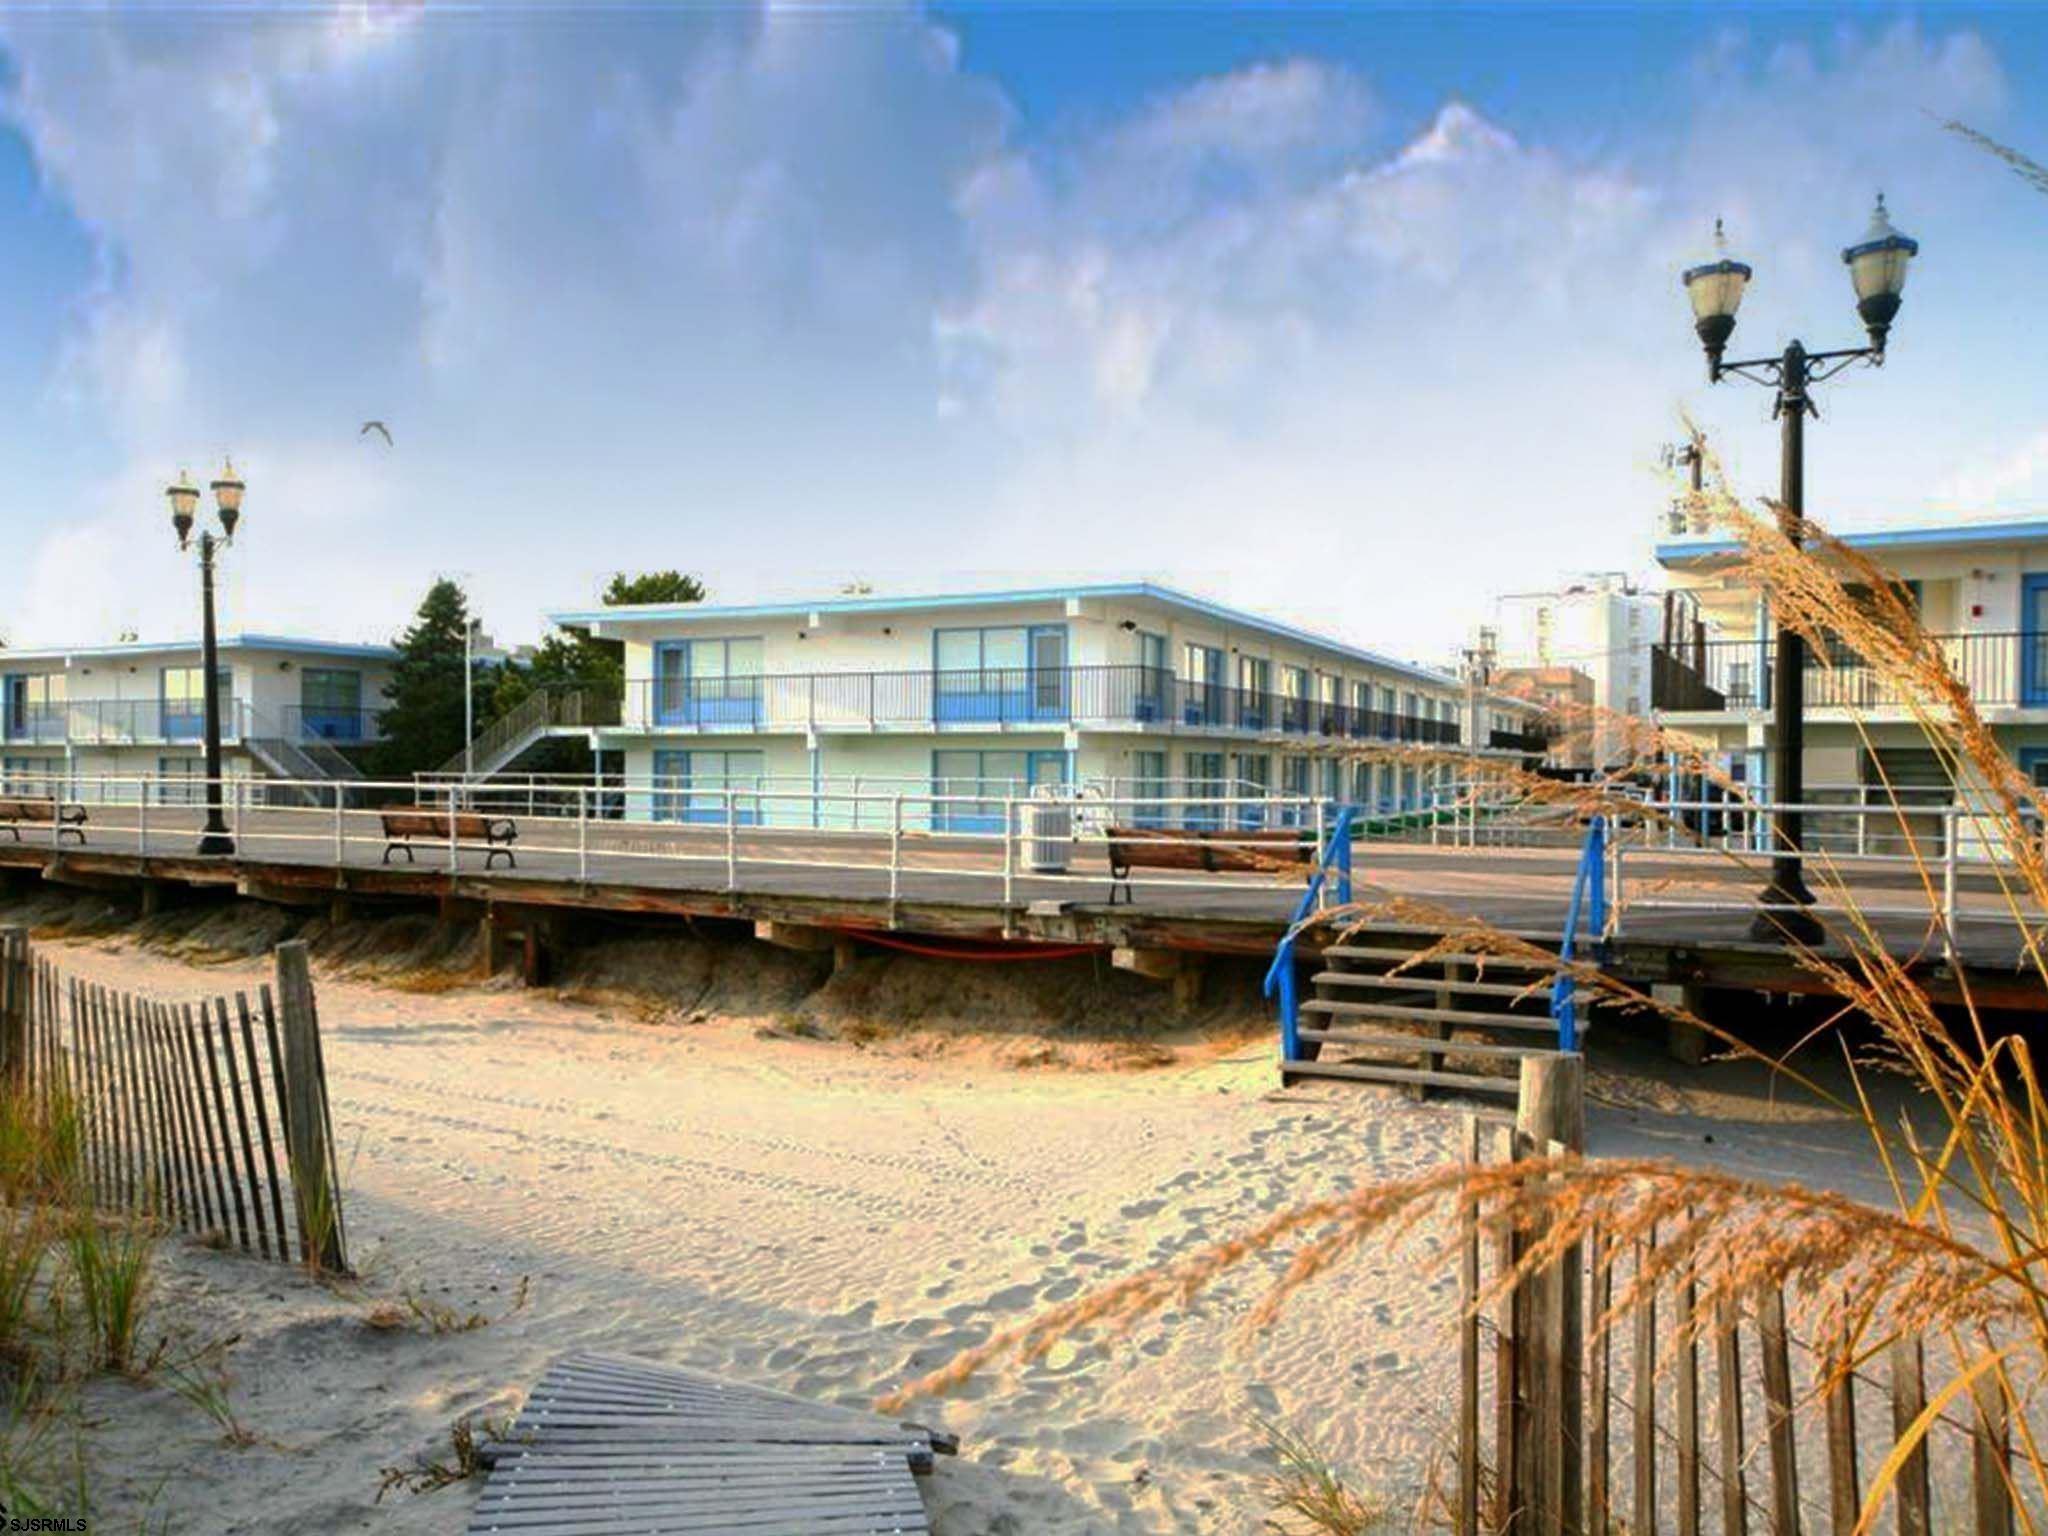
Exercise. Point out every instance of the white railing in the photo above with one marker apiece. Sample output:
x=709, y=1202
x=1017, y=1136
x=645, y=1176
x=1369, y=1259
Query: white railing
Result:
x=903, y=841
x=1698, y=856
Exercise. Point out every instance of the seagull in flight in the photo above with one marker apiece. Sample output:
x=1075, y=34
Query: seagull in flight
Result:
x=376, y=426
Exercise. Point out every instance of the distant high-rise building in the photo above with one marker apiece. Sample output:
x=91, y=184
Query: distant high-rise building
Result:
x=1601, y=625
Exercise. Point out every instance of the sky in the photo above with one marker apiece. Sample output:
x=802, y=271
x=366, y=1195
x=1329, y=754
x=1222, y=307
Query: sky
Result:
x=1358, y=316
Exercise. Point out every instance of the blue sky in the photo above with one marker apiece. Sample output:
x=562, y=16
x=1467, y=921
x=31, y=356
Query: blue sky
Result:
x=1360, y=315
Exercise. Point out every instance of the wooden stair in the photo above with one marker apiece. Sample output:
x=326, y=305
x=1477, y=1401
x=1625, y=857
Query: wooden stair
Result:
x=1459, y=1023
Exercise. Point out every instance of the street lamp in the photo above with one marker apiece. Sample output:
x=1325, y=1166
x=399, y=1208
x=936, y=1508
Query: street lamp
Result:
x=227, y=500
x=1877, y=268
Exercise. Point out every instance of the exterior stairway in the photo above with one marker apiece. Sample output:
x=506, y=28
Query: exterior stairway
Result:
x=1460, y=1022
x=309, y=762
x=546, y=712
x=1377, y=1014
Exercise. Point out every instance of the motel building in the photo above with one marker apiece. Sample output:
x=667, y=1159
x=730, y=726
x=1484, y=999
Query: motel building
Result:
x=1130, y=693
x=1981, y=590
x=73, y=718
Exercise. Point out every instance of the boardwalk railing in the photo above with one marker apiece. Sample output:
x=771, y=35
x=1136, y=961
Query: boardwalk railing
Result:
x=1665, y=1421
x=187, y=1110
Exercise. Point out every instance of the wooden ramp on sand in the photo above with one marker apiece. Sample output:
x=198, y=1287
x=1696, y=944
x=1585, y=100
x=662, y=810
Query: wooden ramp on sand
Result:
x=612, y=1446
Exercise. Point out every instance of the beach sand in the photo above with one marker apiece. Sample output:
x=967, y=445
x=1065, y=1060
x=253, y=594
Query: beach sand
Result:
x=830, y=1220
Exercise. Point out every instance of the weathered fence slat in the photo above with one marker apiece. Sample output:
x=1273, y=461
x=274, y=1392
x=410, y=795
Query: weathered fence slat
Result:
x=195, y=1135
x=309, y=1131
x=1909, y=1398
x=1838, y=1392
x=1991, y=1445
x=263, y=1124
x=255, y=1186
x=1468, y=1345
x=210, y=1138
x=1688, y=1406
x=1643, y=1382
x=1779, y=1432
x=1728, y=1402
x=1598, y=1512
x=204, y=1043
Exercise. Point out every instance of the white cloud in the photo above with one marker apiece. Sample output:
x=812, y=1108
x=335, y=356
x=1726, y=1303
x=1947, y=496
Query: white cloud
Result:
x=785, y=296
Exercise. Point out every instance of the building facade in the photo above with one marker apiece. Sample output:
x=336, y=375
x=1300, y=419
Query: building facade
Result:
x=1981, y=590
x=1140, y=694
x=1601, y=626
x=291, y=708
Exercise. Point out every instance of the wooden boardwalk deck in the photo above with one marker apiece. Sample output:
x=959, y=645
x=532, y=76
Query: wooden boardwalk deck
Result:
x=612, y=1446
x=1687, y=920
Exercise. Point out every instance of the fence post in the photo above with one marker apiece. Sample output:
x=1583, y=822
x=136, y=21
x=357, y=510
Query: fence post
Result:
x=895, y=848
x=1948, y=877
x=142, y=821
x=16, y=983
x=732, y=840
x=1009, y=850
x=583, y=809
x=309, y=1133
x=1551, y=1112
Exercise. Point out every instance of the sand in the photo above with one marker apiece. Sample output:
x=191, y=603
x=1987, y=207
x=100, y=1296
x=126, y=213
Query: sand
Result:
x=828, y=1219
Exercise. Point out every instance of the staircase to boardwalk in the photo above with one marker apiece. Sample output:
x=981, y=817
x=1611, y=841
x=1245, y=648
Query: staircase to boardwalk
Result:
x=1376, y=1013
x=505, y=740
x=1457, y=1021
x=309, y=762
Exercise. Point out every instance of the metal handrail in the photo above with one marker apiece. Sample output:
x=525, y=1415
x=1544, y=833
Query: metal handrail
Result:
x=1335, y=859
x=1589, y=884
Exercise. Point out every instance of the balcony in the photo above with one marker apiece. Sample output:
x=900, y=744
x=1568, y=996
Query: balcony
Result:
x=155, y=722
x=1126, y=697
x=2001, y=670
x=120, y=723
x=337, y=727
x=1527, y=743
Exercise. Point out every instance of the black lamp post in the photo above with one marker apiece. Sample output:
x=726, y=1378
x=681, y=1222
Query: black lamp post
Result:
x=1877, y=268
x=227, y=498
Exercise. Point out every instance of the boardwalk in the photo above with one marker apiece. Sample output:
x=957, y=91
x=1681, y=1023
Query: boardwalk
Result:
x=973, y=886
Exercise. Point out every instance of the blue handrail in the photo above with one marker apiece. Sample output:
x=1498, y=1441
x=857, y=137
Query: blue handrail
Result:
x=1589, y=898
x=1280, y=977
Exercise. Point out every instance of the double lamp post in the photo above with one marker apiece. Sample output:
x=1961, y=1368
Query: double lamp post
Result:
x=227, y=499
x=1877, y=269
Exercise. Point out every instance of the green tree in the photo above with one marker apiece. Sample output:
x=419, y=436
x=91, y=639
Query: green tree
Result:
x=423, y=700
x=653, y=587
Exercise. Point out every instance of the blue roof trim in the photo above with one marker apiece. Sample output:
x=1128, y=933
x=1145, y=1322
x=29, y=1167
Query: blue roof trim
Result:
x=1128, y=589
x=227, y=643
x=1882, y=538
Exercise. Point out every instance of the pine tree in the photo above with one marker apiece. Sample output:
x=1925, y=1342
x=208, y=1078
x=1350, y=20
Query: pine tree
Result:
x=653, y=587
x=423, y=700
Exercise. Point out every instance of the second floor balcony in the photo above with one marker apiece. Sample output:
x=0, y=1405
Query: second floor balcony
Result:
x=2002, y=670
x=1118, y=696
x=177, y=722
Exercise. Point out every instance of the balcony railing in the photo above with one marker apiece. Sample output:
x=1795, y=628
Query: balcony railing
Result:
x=2001, y=669
x=339, y=727
x=1005, y=697
x=120, y=722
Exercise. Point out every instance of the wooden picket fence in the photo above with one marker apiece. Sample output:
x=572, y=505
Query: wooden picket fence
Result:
x=185, y=1109
x=1546, y=1394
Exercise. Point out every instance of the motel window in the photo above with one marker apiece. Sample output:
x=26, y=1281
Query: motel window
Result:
x=181, y=780
x=330, y=688
x=1294, y=682
x=1203, y=785
x=1151, y=651
x=25, y=775
x=1294, y=776
x=1150, y=788
x=1333, y=779
x=691, y=785
x=1329, y=688
x=1254, y=674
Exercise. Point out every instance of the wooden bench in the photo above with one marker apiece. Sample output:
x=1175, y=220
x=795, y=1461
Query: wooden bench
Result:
x=472, y=829
x=1210, y=850
x=17, y=811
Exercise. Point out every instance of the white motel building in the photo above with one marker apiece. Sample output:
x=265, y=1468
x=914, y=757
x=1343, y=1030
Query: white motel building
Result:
x=1140, y=692
x=291, y=708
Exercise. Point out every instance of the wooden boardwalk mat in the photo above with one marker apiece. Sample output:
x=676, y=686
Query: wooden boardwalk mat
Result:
x=610, y=1446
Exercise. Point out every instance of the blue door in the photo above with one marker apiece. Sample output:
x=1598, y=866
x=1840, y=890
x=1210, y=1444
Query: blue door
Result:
x=707, y=682
x=14, y=706
x=2034, y=638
